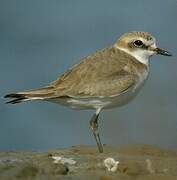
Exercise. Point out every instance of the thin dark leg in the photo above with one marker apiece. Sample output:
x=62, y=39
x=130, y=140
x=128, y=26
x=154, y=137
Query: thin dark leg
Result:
x=94, y=127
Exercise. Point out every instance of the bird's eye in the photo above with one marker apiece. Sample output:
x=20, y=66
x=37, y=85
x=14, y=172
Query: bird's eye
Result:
x=138, y=43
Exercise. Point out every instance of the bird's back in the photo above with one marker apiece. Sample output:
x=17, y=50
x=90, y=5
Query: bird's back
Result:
x=105, y=73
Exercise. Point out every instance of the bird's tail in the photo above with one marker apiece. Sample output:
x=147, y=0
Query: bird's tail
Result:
x=37, y=94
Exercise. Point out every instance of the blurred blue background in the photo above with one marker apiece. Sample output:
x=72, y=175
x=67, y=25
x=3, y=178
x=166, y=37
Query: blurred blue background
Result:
x=40, y=39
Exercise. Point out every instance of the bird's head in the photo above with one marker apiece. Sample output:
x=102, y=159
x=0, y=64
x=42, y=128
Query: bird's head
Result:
x=141, y=45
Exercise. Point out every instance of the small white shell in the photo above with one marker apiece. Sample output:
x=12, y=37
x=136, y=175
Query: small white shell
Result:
x=111, y=164
x=149, y=166
x=62, y=160
x=56, y=159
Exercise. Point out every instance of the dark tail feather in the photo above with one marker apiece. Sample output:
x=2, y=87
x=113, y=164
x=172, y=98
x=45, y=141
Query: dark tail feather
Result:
x=42, y=93
x=17, y=98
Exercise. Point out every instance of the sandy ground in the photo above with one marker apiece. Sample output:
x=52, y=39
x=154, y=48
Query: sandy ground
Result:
x=134, y=162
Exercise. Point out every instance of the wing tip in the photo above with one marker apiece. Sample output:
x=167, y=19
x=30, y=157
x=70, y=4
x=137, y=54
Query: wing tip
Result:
x=17, y=98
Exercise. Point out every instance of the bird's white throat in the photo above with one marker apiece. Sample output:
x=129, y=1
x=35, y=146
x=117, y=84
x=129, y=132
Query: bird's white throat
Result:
x=140, y=54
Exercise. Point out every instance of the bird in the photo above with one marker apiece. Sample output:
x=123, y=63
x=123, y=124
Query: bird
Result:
x=108, y=78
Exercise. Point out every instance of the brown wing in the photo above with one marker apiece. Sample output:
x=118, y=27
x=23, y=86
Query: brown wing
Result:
x=105, y=73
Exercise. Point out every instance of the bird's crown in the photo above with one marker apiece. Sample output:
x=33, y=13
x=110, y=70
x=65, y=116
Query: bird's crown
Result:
x=135, y=39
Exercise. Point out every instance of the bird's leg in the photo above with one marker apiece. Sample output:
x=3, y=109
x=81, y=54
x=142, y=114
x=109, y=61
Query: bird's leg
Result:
x=94, y=128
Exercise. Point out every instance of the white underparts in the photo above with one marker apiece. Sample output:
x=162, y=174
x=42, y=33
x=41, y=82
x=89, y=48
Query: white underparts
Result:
x=140, y=54
x=33, y=98
x=98, y=111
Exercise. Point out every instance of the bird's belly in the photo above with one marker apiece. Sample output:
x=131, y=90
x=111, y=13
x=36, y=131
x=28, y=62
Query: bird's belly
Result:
x=98, y=102
x=103, y=102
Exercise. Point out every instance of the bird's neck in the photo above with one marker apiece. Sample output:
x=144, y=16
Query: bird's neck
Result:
x=140, y=55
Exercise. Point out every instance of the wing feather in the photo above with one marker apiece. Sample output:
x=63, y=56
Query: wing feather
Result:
x=105, y=73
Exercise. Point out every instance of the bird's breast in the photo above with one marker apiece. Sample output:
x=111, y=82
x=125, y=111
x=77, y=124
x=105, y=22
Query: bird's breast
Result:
x=142, y=77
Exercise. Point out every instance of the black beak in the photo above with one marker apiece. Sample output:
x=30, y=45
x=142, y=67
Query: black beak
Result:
x=162, y=52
